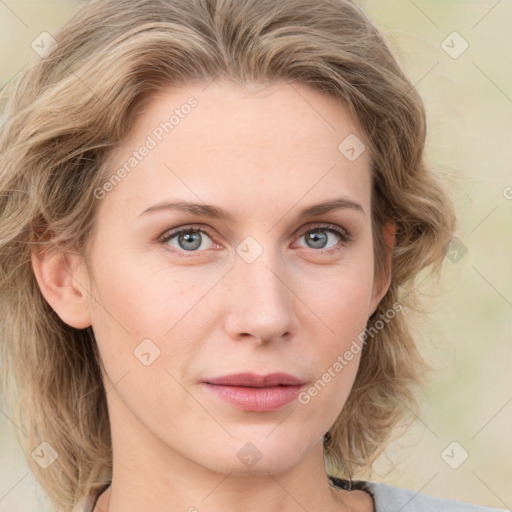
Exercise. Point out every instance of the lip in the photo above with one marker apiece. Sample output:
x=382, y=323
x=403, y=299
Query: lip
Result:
x=257, y=393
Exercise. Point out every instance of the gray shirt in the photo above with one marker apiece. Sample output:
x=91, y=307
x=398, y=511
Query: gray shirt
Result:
x=386, y=499
x=392, y=499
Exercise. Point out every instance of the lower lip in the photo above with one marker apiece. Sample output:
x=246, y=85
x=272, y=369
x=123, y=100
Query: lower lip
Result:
x=256, y=399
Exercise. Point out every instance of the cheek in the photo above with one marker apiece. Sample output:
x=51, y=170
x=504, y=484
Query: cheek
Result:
x=134, y=302
x=342, y=304
x=341, y=298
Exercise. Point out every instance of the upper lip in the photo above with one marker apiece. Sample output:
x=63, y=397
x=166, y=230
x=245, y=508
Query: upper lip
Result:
x=256, y=381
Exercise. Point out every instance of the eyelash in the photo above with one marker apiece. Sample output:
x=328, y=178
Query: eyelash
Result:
x=345, y=237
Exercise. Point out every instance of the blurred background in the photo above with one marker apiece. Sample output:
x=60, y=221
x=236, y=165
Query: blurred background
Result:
x=457, y=53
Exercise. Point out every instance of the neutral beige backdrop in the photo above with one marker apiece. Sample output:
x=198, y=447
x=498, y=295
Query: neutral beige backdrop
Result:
x=468, y=341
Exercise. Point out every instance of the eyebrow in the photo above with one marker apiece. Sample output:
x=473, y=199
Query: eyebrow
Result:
x=216, y=212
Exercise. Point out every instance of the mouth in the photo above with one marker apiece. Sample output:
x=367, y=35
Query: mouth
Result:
x=256, y=393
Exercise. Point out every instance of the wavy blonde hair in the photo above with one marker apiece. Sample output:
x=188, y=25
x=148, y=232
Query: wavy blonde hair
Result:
x=70, y=110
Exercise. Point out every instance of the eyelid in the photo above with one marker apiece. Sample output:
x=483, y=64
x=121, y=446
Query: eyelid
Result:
x=171, y=233
x=341, y=231
x=345, y=236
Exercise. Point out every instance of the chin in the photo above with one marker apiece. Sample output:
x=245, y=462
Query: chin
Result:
x=258, y=454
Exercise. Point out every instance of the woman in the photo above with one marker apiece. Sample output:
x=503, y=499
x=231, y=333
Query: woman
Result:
x=213, y=213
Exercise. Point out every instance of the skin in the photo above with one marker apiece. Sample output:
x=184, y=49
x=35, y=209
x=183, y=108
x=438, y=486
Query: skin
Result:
x=263, y=156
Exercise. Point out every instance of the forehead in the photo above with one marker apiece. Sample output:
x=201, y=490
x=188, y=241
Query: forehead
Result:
x=207, y=141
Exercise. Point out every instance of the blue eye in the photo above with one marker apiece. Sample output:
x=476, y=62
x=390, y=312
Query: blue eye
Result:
x=318, y=237
x=188, y=239
x=193, y=239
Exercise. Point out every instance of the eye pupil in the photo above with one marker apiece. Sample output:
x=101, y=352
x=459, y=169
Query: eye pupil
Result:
x=192, y=237
x=191, y=240
x=318, y=238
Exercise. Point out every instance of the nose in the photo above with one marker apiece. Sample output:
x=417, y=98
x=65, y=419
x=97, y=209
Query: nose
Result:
x=261, y=301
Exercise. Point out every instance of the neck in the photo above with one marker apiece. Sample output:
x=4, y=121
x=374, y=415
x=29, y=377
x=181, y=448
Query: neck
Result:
x=149, y=474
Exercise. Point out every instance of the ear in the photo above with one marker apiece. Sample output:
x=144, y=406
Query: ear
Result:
x=381, y=283
x=62, y=278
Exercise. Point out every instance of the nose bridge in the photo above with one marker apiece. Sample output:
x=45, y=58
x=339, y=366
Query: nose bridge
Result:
x=261, y=302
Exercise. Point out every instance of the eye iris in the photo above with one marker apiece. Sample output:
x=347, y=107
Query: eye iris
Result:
x=318, y=238
x=191, y=240
x=190, y=237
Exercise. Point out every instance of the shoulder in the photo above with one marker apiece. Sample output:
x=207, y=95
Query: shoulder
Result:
x=391, y=499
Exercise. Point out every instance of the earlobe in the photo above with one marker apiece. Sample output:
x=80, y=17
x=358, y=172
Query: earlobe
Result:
x=381, y=285
x=62, y=278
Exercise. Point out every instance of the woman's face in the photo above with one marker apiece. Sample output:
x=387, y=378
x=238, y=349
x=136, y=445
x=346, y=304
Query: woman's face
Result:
x=263, y=279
